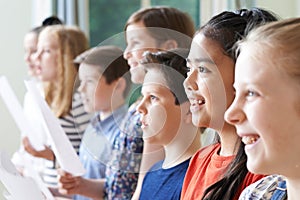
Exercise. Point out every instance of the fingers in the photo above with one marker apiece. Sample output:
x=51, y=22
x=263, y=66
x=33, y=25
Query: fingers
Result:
x=28, y=147
x=68, y=184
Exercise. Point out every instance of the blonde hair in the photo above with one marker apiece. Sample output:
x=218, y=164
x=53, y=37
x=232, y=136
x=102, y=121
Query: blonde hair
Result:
x=281, y=38
x=71, y=42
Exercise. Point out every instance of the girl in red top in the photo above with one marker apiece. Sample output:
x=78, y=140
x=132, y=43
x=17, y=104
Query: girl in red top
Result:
x=219, y=170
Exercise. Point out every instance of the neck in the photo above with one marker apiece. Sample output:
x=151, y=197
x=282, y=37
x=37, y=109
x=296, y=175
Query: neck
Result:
x=293, y=188
x=114, y=106
x=183, y=147
x=230, y=141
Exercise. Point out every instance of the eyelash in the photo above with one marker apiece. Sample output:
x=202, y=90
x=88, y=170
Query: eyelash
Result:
x=201, y=69
x=251, y=93
x=153, y=98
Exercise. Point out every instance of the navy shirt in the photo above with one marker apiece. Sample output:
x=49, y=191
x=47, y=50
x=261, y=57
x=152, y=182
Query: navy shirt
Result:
x=162, y=183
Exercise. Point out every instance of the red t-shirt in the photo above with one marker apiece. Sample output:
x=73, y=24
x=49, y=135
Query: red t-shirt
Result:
x=207, y=167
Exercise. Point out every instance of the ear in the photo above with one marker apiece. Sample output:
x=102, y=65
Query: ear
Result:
x=121, y=85
x=169, y=44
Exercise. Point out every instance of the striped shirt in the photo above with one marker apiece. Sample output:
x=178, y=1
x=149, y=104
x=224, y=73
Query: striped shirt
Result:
x=74, y=125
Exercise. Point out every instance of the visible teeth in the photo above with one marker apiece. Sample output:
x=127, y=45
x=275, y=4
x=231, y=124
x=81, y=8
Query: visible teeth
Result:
x=249, y=139
x=201, y=101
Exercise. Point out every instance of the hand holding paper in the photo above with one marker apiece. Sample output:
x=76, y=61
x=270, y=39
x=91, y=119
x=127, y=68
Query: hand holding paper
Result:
x=61, y=145
x=19, y=187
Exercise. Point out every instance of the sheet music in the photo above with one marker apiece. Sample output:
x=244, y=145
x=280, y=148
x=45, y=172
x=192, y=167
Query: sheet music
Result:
x=61, y=145
x=18, y=187
x=18, y=115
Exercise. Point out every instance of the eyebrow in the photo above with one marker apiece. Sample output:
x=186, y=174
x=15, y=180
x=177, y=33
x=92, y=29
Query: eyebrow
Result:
x=199, y=60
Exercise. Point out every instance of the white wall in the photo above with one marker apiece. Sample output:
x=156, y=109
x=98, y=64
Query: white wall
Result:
x=285, y=9
x=15, y=20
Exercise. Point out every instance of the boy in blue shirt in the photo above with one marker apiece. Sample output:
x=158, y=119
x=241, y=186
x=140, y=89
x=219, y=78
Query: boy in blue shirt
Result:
x=166, y=121
x=104, y=85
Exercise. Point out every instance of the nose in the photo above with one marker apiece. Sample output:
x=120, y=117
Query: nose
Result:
x=234, y=114
x=27, y=57
x=141, y=107
x=126, y=54
x=36, y=56
x=81, y=87
x=190, y=83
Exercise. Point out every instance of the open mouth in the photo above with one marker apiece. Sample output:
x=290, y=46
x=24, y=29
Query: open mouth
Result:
x=197, y=102
x=201, y=101
x=251, y=139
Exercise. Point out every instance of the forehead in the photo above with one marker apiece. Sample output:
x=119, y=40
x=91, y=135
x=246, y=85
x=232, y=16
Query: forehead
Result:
x=252, y=65
x=31, y=36
x=203, y=47
x=207, y=51
x=138, y=31
x=48, y=39
x=89, y=70
x=154, y=77
x=135, y=25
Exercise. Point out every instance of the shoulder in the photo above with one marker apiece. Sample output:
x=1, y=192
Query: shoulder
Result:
x=251, y=178
x=201, y=158
x=207, y=151
x=262, y=189
x=156, y=166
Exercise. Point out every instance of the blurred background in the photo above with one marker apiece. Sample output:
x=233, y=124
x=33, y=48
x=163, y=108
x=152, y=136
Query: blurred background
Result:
x=100, y=19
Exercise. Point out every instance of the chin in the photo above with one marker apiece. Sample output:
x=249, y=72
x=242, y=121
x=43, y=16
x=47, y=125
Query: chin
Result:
x=258, y=168
x=196, y=121
x=137, y=79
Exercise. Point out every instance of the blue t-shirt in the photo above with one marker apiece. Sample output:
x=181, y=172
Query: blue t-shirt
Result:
x=96, y=145
x=162, y=183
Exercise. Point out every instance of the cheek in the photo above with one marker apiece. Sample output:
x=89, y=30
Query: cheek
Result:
x=158, y=117
x=138, y=54
x=216, y=95
x=96, y=93
x=137, y=75
x=297, y=108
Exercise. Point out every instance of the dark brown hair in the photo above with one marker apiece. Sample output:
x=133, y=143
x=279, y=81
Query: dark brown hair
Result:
x=110, y=62
x=226, y=29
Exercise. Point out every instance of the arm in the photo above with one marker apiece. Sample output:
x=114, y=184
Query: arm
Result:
x=69, y=185
x=47, y=153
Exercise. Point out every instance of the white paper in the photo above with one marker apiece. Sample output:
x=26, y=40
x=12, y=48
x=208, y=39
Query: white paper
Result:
x=18, y=115
x=61, y=145
x=30, y=172
x=18, y=187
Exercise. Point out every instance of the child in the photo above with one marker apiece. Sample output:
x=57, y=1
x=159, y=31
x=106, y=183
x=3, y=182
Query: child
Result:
x=154, y=29
x=266, y=111
x=166, y=121
x=104, y=84
x=217, y=171
x=21, y=157
x=58, y=45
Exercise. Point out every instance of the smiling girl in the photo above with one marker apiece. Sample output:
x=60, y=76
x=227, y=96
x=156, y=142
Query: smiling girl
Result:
x=266, y=109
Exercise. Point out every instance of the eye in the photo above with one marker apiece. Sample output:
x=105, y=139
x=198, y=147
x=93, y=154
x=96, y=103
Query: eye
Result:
x=153, y=98
x=133, y=43
x=187, y=69
x=251, y=93
x=46, y=50
x=90, y=80
x=203, y=69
